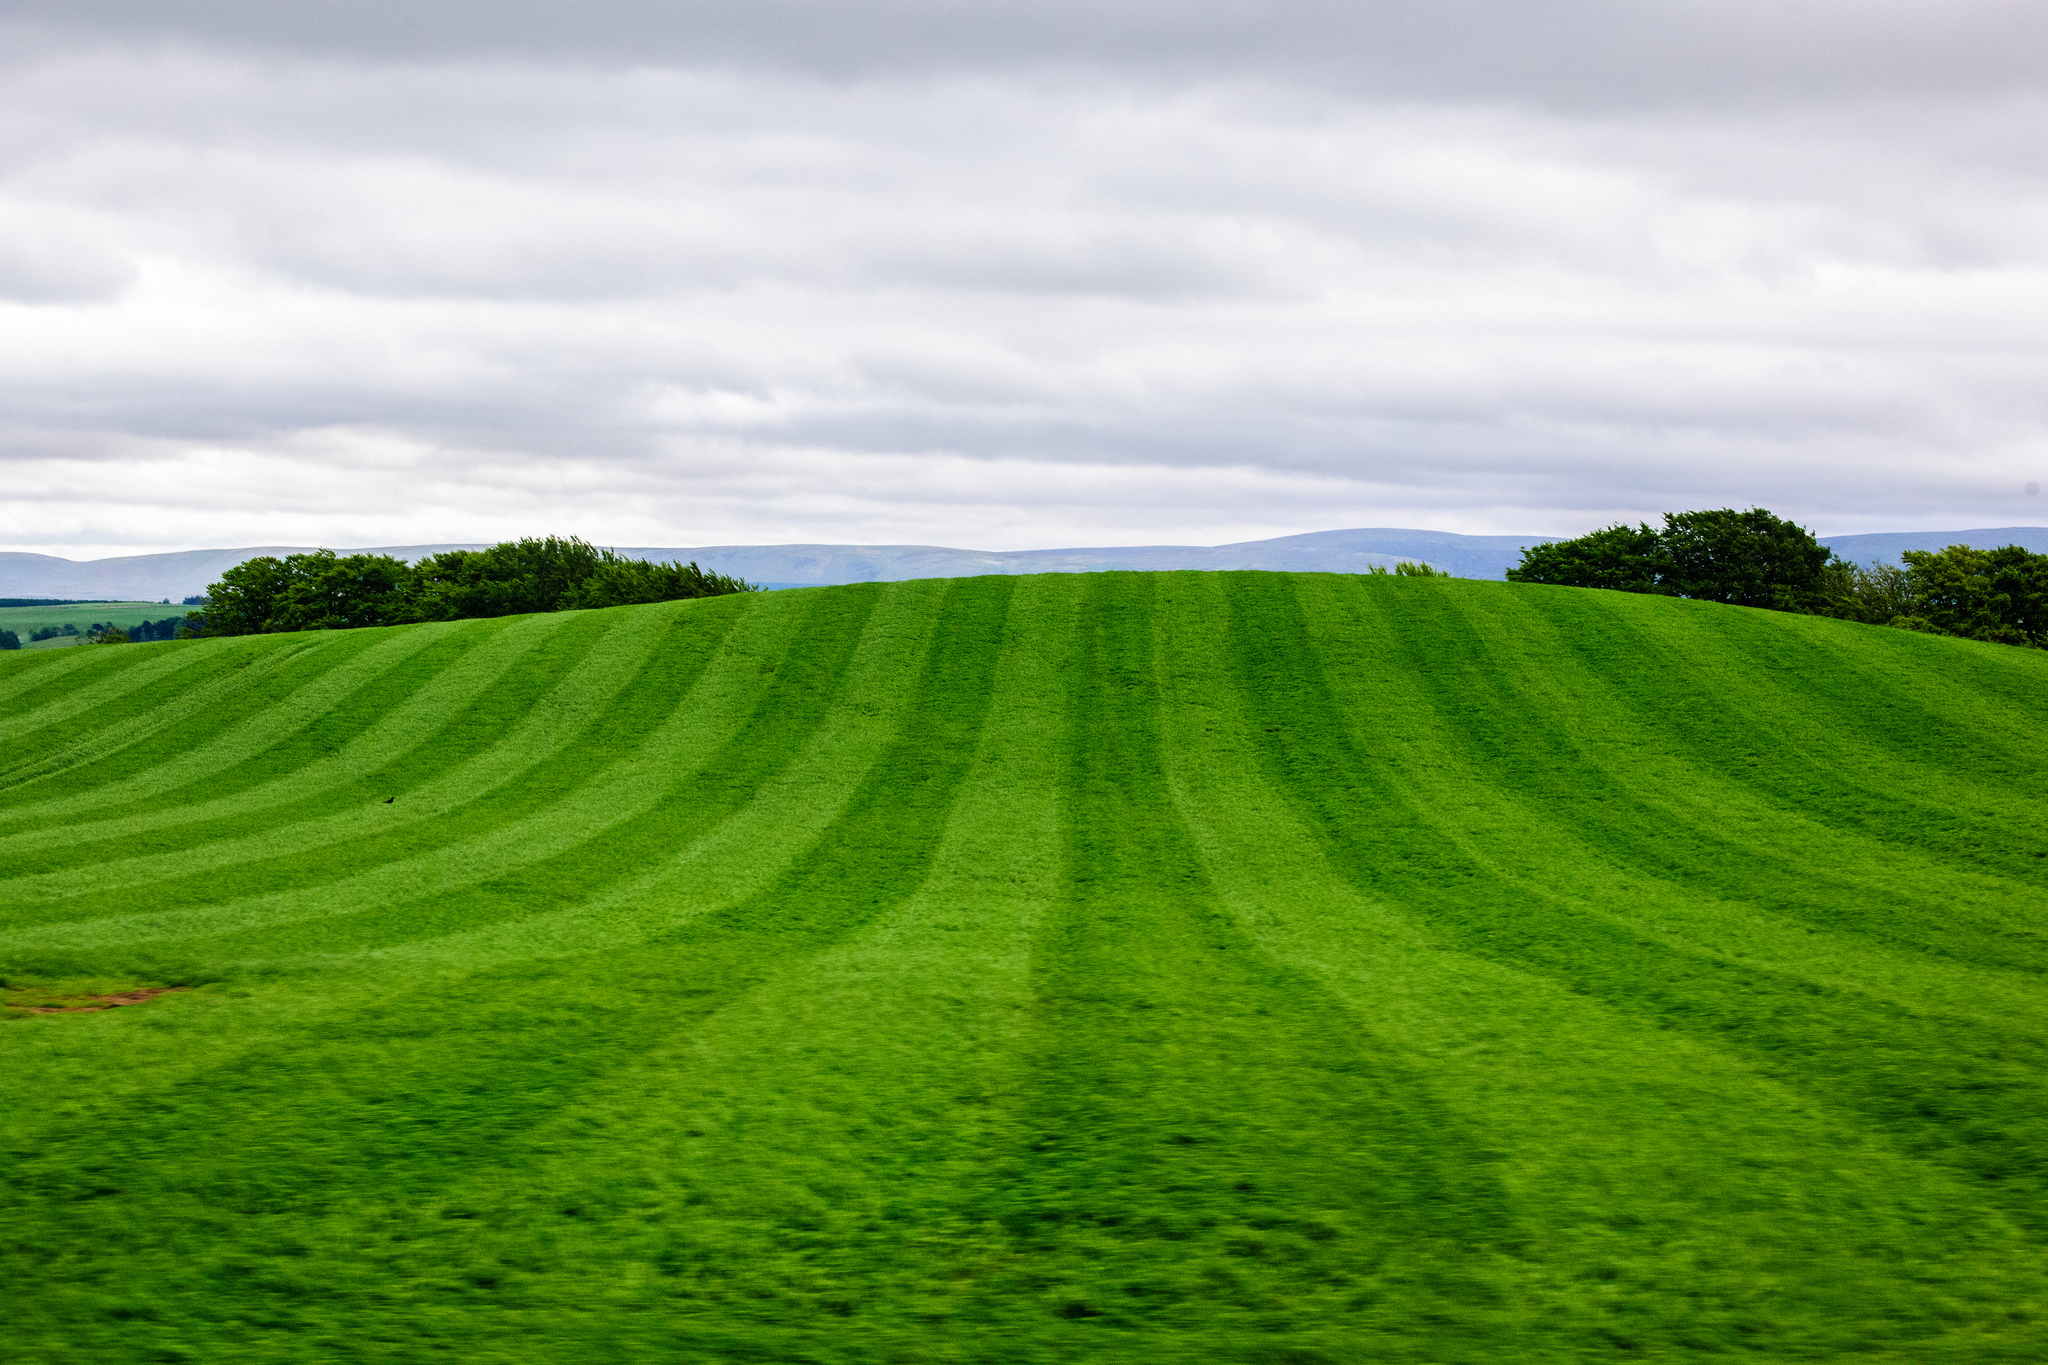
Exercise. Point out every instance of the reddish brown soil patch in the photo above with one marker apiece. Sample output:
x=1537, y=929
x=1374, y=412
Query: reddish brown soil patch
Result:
x=101, y=1002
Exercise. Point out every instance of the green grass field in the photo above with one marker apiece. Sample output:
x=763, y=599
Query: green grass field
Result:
x=1115, y=967
x=22, y=620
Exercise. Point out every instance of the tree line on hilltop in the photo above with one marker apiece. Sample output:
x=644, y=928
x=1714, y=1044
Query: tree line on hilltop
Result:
x=1757, y=559
x=1752, y=559
x=325, y=591
x=103, y=632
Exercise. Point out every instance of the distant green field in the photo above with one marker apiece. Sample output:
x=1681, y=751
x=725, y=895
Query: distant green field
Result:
x=22, y=620
x=1112, y=967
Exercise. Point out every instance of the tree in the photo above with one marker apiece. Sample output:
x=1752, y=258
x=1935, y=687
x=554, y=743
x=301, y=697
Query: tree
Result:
x=510, y=578
x=1621, y=557
x=316, y=591
x=1873, y=593
x=1998, y=595
x=618, y=582
x=1751, y=559
x=246, y=596
x=9, y=640
x=325, y=591
x=166, y=629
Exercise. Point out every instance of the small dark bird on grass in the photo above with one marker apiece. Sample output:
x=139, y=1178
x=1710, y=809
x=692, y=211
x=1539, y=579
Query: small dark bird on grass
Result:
x=389, y=799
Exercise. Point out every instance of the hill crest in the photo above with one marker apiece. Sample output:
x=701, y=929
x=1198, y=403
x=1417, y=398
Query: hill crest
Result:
x=185, y=573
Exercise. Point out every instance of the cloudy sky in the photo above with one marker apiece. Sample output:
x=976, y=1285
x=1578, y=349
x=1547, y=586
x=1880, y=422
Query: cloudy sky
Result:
x=1005, y=274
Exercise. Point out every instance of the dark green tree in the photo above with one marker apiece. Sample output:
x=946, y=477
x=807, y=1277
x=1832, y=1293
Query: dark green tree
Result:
x=246, y=596
x=1999, y=595
x=1752, y=559
x=327, y=591
x=166, y=629
x=316, y=591
x=9, y=640
x=1873, y=593
x=1622, y=557
x=618, y=582
x=323, y=591
x=509, y=579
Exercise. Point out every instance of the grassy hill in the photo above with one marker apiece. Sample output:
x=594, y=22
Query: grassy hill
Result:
x=1176, y=967
x=22, y=620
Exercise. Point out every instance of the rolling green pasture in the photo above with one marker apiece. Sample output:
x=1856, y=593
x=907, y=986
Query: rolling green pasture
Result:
x=22, y=620
x=1112, y=967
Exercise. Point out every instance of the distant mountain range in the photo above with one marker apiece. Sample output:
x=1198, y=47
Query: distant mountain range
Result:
x=187, y=572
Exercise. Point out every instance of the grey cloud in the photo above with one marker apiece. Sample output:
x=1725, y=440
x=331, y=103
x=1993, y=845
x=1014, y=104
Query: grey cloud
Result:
x=989, y=307
x=1573, y=52
x=56, y=261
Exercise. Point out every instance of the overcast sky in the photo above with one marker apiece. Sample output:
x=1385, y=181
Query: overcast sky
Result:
x=1013, y=275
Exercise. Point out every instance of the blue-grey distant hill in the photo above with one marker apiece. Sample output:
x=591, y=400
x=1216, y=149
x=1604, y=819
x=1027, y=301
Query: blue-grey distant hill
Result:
x=1326, y=551
x=185, y=573
x=1887, y=546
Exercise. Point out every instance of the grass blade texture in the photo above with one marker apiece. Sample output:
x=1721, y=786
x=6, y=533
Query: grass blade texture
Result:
x=1110, y=967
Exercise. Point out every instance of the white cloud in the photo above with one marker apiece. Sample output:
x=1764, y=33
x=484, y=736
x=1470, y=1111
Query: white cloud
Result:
x=324, y=298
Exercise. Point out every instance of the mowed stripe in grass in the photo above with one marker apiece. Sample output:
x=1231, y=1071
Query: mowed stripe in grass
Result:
x=1108, y=967
x=444, y=707
x=512, y=1078
x=1519, y=970
x=1212, y=1154
x=460, y=687
x=623, y=762
x=1944, y=1084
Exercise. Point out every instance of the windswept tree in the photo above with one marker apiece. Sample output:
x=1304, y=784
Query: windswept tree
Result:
x=557, y=573
x=1998, y=595
x=508, y=579
x=619, y=582
x=1751, y=559
x=316, y=591
x=1621, y=557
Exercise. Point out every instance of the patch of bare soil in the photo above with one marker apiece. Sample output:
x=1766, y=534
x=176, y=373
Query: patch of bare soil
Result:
x=31, y=1002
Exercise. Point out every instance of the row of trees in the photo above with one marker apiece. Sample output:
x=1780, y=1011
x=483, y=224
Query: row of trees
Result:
x=1757, y=559
x=104, y=633
x=326, y=591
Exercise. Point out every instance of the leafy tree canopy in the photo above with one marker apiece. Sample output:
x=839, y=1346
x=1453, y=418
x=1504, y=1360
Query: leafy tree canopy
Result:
x=1624, y=558
x=325, y=591
x=1758, y=559
x=1999, y=595
x=1752, y=559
